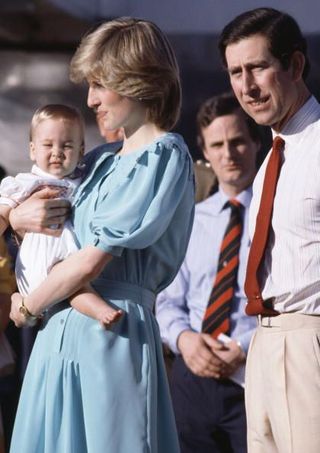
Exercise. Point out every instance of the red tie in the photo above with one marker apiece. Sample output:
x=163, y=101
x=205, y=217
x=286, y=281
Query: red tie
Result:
x=255, y=304
x=217, y=315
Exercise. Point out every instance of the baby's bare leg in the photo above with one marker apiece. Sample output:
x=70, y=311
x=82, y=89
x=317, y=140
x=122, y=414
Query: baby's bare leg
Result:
x=89, y=303
x=109, y=315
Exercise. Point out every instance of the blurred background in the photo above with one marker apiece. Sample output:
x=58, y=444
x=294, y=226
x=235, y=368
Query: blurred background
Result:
x=38, y=38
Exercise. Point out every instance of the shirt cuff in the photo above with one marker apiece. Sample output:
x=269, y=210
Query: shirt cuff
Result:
x=8, y=202
x=245, y=339
x=175, y=331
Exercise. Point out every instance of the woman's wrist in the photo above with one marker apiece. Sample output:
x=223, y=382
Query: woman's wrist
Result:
x=27, y=310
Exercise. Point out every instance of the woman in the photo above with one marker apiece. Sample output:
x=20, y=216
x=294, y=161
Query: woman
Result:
x=90, y=390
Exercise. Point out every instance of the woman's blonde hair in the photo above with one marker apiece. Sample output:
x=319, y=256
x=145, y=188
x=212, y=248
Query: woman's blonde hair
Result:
x=133, y=58
x=56, y=112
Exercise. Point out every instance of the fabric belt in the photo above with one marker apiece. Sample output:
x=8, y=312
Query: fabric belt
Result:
x=57, y=307
x=112, y=290
x=122, y=290
x=49, y=312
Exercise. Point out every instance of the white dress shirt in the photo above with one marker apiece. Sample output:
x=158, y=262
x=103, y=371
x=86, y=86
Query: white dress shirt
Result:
x=181, y=306
x=291, y=268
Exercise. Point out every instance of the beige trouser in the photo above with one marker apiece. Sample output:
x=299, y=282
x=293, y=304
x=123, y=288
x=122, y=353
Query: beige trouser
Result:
x=283, y=385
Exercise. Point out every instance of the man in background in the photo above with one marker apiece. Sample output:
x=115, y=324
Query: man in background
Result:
x=201, y=314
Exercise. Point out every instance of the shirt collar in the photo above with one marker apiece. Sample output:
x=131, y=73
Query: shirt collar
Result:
x=43, y=174
x=308, y=114
x=243, y=197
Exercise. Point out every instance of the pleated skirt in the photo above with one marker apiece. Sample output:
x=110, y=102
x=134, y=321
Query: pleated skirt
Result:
x=91, y=390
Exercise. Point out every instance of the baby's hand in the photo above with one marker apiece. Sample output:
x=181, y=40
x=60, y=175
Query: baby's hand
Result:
x=109, y=316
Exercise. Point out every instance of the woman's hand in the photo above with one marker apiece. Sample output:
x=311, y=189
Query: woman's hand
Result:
x=17, y=317
x=40, y=212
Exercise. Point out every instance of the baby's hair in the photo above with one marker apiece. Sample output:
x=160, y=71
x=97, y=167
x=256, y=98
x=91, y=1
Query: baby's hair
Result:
x=56, y=112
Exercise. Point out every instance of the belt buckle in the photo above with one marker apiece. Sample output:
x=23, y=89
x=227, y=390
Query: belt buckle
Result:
x=267, y=319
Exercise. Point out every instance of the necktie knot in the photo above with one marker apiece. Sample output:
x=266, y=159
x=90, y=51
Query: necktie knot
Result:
x=234, y=204
x=278, y=143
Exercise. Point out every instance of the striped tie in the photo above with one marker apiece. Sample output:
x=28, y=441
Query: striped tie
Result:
x=216, y=318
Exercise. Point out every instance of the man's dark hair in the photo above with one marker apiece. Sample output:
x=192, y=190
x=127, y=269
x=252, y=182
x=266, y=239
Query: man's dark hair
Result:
x=221, y=105
x=281, y=30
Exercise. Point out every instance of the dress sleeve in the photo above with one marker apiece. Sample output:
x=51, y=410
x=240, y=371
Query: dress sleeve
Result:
x=10, y=191
x=15, y=189
x=137, y=212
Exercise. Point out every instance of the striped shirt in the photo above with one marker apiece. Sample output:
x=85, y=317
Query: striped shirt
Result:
x=182, y=305
x=291, y=268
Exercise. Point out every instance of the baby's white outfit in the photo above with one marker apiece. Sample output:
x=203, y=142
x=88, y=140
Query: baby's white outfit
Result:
x=38, y=252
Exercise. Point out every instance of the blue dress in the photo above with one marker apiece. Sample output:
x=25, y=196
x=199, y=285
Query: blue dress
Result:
x=90, y=390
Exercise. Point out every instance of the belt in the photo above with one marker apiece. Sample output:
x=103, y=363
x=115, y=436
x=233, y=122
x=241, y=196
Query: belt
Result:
x=122, y=290
x=47, y=314
x=268, y=321
x=289, y=321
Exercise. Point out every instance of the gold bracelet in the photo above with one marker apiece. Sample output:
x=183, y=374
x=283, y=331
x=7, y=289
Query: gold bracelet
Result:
x=26, y=313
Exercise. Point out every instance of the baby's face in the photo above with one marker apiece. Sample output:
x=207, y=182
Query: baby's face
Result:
x=57, y=146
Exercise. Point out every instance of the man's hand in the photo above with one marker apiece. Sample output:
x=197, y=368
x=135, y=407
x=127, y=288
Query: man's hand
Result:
x=200, y=353
x=39, y=212
x=233, y=356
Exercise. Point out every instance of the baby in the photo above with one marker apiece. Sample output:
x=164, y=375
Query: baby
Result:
x=56, y=147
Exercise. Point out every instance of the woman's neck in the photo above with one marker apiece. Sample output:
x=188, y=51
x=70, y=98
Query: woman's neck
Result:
x=144, y=135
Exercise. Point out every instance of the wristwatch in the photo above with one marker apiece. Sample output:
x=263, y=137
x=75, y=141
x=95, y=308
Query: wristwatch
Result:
x=26, y=313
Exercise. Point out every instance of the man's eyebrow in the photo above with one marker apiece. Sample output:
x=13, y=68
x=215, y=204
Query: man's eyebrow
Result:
x=249, y=64
x=215, y=142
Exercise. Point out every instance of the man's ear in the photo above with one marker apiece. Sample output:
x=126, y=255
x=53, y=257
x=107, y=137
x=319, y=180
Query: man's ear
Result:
x=32, y=151
x=297, y=65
